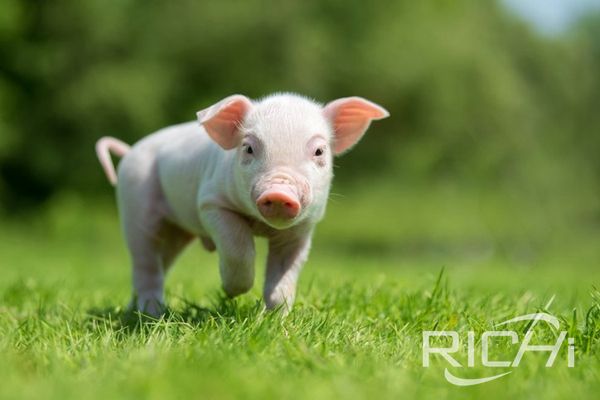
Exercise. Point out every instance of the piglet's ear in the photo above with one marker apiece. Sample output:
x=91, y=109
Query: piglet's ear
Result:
x=222, y=120
x=350, y=117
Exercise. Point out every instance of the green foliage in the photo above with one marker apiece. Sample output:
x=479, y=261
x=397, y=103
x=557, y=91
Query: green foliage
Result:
x=474, y=94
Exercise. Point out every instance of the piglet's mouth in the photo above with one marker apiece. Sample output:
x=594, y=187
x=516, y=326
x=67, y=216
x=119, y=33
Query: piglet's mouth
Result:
x=279, y=203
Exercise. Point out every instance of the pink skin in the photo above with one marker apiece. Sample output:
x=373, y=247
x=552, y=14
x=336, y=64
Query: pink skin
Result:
x=252, y=168
x=279, y=202
x=104, y=147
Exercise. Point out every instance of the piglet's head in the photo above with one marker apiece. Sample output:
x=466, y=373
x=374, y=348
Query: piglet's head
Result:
x=283, y=147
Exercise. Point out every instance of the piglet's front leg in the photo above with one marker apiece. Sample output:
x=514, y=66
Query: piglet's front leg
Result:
x=286, y=257
x=235, y=245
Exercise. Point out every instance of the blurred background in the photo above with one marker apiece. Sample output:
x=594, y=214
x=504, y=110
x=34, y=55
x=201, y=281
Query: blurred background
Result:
x=491, y=155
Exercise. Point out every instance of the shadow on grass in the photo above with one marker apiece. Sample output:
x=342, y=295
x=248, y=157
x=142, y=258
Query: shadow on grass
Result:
x=184, y=316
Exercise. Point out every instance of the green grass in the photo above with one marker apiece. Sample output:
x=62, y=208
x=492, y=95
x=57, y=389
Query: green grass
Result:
x=372, y=285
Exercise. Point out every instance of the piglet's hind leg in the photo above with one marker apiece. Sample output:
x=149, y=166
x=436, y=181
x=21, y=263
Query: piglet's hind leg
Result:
x=151, y=256
x=152, y=241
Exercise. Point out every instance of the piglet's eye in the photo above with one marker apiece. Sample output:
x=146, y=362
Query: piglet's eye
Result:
x=319, y=152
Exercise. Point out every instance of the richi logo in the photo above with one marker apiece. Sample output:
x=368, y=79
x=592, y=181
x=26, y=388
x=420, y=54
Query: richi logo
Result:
x=486, y=338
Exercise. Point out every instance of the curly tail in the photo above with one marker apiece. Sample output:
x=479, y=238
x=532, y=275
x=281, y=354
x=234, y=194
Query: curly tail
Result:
x=104, y=147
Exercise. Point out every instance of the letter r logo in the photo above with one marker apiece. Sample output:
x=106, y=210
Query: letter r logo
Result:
x=443, y=351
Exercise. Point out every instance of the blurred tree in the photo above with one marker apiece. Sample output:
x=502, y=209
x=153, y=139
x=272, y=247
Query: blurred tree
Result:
x=474, y=94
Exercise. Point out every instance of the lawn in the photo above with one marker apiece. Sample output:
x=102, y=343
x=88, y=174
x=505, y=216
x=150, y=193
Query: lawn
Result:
x=387, y=264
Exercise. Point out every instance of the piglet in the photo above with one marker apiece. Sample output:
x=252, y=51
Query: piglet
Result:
x=248, y=168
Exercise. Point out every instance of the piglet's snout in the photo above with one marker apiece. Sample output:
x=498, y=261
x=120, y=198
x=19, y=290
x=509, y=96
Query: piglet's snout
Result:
x=278, y=202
